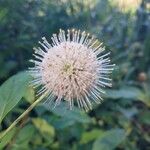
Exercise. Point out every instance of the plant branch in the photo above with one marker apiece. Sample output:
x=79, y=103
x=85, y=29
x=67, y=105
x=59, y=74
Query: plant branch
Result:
x=22, y=115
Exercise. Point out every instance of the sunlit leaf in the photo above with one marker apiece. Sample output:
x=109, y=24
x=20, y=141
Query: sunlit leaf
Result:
x=29, y=94
x=145, y=96
x=91, y=135
x=7, y=138
x=43, y=126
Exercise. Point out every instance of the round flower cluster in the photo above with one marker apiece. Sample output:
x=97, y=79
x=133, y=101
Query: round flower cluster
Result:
x=73, y=68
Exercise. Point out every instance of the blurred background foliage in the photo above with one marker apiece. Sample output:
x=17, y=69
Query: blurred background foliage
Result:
x=122, y=121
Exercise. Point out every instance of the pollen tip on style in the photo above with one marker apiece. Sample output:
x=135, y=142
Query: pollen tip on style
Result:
x=72, y=67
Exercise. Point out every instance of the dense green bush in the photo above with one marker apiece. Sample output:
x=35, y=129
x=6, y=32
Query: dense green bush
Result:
x=122, y=121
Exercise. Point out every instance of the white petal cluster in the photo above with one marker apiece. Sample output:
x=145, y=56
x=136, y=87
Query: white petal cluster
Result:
x=72, y=68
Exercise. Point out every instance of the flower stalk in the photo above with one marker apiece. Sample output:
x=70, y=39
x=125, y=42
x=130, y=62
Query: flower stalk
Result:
x=22, y=116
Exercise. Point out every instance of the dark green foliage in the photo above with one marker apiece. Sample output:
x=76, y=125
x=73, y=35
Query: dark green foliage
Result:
x=121, y=122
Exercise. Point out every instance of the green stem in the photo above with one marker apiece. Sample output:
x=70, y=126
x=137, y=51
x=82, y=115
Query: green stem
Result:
x=22, y=116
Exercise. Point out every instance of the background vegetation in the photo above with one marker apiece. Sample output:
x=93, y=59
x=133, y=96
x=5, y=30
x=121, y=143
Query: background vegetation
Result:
x=122, y=121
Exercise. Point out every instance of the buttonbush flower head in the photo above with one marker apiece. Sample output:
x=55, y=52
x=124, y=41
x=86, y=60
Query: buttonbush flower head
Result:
x=73, y=68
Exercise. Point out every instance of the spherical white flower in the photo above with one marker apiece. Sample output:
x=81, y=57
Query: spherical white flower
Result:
x=72, y=68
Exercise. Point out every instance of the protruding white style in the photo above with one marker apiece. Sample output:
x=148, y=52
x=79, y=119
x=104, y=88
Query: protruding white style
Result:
x=73, y=68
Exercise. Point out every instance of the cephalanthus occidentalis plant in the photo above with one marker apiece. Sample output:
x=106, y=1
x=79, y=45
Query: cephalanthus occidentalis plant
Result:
x=72, y=67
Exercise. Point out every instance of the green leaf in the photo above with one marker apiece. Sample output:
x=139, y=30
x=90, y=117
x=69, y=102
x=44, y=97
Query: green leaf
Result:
x=61, y=123
x=43, y=126
x=109, y=140
x=144, y=117
x=124, y=92
x=12, y=91
x=145, y=96
x=75, y=114
x=25, y=134
x=128, y=112
x=29, y=95
x=24, y=137
x=91, y=135
x=7, y=138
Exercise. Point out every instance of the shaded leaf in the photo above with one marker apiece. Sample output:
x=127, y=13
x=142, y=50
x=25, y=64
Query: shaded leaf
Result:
x=62, y=123
x=144, y=117
x=128, y=112
x=75, y=114
x=25, y=135
x=124, y=92
x=109, y=140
